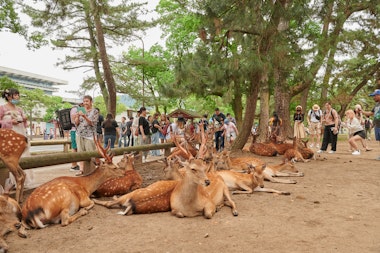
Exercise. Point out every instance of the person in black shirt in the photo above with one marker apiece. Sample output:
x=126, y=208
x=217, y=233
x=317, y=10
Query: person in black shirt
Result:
x=144, y=131
x=218, y=120
x=110, y=130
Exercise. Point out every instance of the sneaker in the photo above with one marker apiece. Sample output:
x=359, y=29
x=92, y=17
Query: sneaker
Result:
x=311, y=145
x=317, y=146
x=320, y=151
x=356, y=152
x=331, y=152
x=75, y=168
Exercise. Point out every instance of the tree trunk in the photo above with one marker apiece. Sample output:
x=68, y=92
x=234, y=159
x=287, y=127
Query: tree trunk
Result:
x=264, y=113
x=108, y=76
x=249, y=114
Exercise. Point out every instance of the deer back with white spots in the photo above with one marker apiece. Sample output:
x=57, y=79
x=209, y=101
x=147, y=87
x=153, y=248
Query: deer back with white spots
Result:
x=12, y=145
x=65, y=199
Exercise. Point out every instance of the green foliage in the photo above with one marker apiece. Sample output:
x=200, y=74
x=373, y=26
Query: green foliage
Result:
x=9, y=19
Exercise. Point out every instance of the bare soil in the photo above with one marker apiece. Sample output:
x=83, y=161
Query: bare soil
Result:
x=335, y=207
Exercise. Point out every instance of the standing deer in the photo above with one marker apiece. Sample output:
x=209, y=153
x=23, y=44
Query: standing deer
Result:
x=12, y=145
x=65, y=199
x=10, y=214
x=132, y=180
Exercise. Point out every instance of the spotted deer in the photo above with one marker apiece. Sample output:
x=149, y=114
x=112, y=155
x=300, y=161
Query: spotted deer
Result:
x=284, y=169
x=10, y=214
x=12, y=145
x=262, y=149
x=65, y=199
x=151, y=199
x=199, y=192
x=293, y=154
x=131, y=180
x=247, y=182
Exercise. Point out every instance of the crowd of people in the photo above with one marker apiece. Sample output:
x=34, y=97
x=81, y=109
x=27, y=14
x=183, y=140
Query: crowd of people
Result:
x=323, y=126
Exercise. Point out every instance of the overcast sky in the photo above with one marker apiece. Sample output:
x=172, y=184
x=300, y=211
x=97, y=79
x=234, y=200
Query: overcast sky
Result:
x=14, y=54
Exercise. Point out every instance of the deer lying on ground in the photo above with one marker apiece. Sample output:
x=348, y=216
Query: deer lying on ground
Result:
x=281, y=147
x=293, y=154
x=247, y=182
x=306, y=152
x=152, y=199
x=199, y=193
x=262, y=149
x=284, y=169
x=65, y=199
x=242, y=164
x=10, y=214
x=132, y=180
x=12, y=145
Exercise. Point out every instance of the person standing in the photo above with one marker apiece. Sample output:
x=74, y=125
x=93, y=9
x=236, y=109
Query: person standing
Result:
x=111, y=128
x=299, y=128
x=314, y=119
x=11, y=115
x=86, y=123
x=123, y=132
x=331, y=129
x=129, y=132
x=375, y=112
x=73, y=111
x=135, y=129
x=231, y=131
x=144, y=131
x=99, y=129
x=156, y=129
x=368, y=126
x=218, y=120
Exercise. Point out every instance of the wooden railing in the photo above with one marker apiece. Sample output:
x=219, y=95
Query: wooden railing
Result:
x=62, y=158
x=66, y=144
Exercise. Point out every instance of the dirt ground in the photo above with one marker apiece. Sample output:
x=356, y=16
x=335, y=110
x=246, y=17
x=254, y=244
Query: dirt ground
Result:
x=335, y=207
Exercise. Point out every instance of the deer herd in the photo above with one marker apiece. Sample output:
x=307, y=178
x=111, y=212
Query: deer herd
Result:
x=197, y=181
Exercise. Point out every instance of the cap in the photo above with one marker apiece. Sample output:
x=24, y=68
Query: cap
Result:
x=376, y=92
x=316, y=107
x=299, y=107
x=226, y=121
x=181, y=119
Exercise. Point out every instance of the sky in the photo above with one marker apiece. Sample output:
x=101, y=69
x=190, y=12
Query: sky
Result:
x=15, y=54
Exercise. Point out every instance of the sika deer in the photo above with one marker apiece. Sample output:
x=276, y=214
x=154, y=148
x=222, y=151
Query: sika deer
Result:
x=10, y=214
x=247, y=183
x=65, y=199
x=284, y=169
x=199, y=193
x=262, y=149
x=12, y=145
x=132, y=180
x=293, y=154
x=152, y=199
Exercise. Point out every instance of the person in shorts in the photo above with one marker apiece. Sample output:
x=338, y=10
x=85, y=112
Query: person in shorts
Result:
x=314, y=119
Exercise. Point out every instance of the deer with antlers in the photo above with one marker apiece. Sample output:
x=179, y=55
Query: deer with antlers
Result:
x=10, y=214
x=199, y=192
x=12, y=145
x=132, y=180
x=65, y=199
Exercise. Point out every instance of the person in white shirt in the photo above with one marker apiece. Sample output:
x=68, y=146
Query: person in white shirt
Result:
x=355, y=130
x=231, y=131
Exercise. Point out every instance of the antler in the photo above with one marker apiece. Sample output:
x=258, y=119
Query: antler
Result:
x=185, y=151
x=103, y=151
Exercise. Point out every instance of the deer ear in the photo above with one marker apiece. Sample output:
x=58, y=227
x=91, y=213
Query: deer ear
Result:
x=1, y=190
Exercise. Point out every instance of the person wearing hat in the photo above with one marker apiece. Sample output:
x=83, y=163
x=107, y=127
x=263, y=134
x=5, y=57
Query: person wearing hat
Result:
x=314, y=120
x=375, y=112
x=299, y=128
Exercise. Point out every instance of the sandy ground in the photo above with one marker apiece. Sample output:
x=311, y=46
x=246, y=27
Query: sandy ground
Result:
x=334, y=208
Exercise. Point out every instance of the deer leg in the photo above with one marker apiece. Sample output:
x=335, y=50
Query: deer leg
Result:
x=245, y=187
x=3, y=245
x=229, y=202
x=276, y=180
x=20, y=176
x=209, y=210
x=289, y=174
x=269, y=190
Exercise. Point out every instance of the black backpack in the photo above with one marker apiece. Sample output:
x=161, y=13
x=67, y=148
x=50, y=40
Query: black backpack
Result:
x=64, y=119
